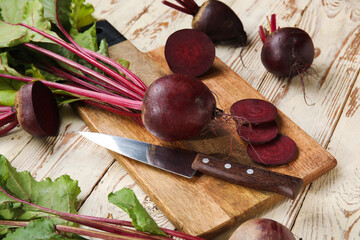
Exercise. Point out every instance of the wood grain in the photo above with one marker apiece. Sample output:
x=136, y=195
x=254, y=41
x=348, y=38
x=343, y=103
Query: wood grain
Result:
x=332, y=121
x=210, y=203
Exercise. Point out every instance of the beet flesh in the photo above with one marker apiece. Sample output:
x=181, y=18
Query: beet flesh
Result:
x=260, y=133
x=220, y=23
x=254, y=111
x=287, y=52
x=262, y=229
x=189, y=51
x=37, y=110
x=177, y=107
x=280, y=150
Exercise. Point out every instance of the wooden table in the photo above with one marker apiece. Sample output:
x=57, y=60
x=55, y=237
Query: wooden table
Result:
x=328, y=208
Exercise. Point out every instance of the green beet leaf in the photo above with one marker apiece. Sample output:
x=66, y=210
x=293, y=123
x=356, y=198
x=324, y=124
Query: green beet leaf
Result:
x=29, y=12
x=73, y=14
x=128, y=202
x=60, y=194
x=7, y=97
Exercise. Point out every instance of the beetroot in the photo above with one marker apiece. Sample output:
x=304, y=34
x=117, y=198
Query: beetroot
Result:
x=254, y=111
x=177, y=107
x=260, y=133
x=190, y=52
x=215, y=19
x=280, y=150
x=37, y=110
x=262, y=229
x=287, y=51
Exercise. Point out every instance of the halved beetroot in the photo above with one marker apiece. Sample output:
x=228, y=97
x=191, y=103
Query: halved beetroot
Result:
x=190, y=52
x=279, y=151
x=260, y=133
x=254, y=111
x=37, y=110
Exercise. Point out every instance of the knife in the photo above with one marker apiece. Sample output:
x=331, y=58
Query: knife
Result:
x=186, y=163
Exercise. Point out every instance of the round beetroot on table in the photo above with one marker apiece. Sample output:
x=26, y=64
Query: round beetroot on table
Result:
x=260, y=133
x=279, y=151
x=254, y=111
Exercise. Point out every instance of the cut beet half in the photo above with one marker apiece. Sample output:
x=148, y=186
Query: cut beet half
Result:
x=254, y=111
x=260, y=133
x=279, y=151
x=37, y=110
x=190, y=52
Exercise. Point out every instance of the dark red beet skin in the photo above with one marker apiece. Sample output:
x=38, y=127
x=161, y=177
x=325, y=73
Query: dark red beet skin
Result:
x=219, y=22
x=279, y=151
x=215, y=19
x=260, y=133
x=177, y=107
x=37, y=110
x=262, y=229
x=254, y=111
x=189, y=51
x=287, y=52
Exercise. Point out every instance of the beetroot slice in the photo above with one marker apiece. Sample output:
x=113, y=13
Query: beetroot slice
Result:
x=260, y=133
x=189, y=51
x=254, y=111
x=37, y=110
x=279, y=151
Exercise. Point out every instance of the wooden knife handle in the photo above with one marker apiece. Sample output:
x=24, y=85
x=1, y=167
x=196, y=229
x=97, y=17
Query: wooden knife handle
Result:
x=248, y=176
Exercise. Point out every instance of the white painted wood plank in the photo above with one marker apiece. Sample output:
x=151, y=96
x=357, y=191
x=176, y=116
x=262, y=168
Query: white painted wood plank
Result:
x=115, y=179
x=67, y=153
x=331, y=207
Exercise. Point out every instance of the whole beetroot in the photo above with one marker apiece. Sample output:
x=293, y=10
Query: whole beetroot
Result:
x=215, y=19
x=262, y=229
x=177, y=107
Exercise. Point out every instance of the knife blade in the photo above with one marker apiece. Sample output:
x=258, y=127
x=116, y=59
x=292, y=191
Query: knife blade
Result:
x=186, y=163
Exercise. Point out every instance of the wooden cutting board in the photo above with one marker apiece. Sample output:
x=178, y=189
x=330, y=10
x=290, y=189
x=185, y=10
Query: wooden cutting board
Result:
x=203, y=205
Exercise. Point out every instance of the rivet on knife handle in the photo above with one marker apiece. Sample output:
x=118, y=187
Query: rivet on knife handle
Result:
x=252, y=177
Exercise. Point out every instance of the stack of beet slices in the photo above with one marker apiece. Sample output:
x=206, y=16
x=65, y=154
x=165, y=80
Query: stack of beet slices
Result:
x=257, y=126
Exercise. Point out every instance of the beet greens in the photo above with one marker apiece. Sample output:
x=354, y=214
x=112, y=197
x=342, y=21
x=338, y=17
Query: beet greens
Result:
x=47, y=208
x=51, y=49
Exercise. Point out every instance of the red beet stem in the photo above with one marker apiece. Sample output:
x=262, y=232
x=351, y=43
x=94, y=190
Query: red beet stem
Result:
x=115, y=100
x=74, y=77
x=273, y=22
x=8, y=127
x=119, y=67
x=262, y=34
x=188, y=7
x=65, y=32
x=79, y=53
x=6, y=118
x=193, y=5
x=135, y=95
